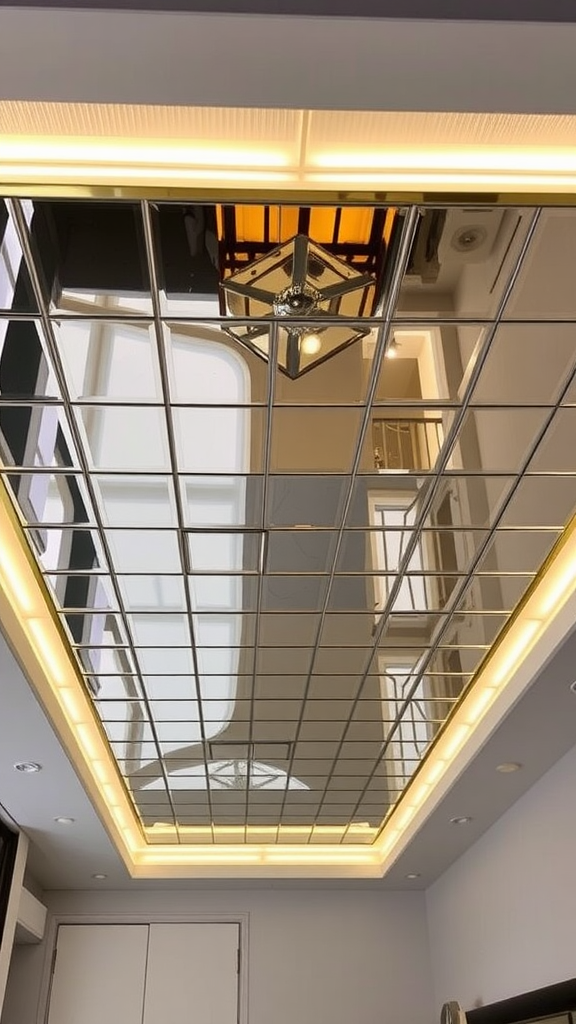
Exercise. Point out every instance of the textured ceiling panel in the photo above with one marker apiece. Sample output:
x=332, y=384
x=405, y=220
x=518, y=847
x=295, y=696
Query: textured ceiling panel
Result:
x=140, y=122
x=132, y=121
x=381, y=128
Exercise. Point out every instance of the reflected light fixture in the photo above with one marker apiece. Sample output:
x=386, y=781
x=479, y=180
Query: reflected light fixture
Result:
x=28, y=767
x=392, y=350
x=314, y=295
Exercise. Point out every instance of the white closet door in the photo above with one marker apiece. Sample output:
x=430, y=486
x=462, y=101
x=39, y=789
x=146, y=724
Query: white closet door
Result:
x=192, y=975
x=99, y=975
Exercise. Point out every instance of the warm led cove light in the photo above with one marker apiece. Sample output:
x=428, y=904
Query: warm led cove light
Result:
x=45, y=650
x=454, y=739
x=10, y=570
x=559, y=588
x=514, y=651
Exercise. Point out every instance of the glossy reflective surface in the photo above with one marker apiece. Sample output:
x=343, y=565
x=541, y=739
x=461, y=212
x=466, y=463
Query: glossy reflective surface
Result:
x=276, y=590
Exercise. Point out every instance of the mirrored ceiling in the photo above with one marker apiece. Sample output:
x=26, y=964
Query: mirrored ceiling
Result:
x=286, y=471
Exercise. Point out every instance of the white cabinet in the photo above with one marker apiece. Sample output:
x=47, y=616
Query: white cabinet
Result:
x=146, y=974
x=99, y=974
x=192, y=974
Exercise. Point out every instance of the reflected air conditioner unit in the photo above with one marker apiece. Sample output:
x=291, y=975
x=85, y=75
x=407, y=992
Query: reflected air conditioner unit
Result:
x=469, y=235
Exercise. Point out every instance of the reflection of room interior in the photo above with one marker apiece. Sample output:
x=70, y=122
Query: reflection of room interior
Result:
x=263, y=483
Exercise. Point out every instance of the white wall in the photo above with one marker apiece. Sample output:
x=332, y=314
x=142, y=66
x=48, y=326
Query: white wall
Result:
x=342, y=957
x=12, y=913
x=502, y=919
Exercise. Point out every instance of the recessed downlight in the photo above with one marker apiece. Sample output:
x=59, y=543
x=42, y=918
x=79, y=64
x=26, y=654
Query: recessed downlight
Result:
x=64, y=821
x=99, y=877
x=28, y=767
x=463, y=820
x=413, y=875
x=507, y=767
x=573, y=686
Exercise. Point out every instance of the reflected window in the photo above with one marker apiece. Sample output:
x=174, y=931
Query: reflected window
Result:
x=406, y=724
x=394, y=516
x=202, y=371
x=234, y=774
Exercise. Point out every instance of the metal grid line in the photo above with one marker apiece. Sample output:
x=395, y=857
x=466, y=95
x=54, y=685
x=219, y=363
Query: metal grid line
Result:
x=401, y=320
x=261, y=574
x=469, y=577
x=389, y=300
x=319, y=745
x=414, y=538
x=24, y=239
x=182, y=546
x=467, y=583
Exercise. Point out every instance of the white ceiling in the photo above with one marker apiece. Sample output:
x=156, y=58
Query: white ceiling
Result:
x=338, y=64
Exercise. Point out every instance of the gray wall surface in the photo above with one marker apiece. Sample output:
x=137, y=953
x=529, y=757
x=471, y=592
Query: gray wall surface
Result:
x=502, y=919
x=337, y=956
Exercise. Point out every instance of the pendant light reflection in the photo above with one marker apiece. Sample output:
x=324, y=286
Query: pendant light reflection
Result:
x=297, y=282
x=393, y=349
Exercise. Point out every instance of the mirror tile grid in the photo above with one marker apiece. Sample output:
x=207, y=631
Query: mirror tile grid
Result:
x=287, y=472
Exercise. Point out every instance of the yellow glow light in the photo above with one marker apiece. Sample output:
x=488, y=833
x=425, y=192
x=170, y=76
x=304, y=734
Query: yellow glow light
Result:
x=404, y=815
x=131, y=838
x=389, y=839
x=54, y=173
x=161, y=153
x=423, y=180
x=120, y=818
x=307, y=855
x=476, y=705
x=11, y=572
x=560, y=587
x=112, y=795
x=311, y=344
x=73, y=705
x=454, y=739
x=100, y=770
x=519, y=160
x=45, y=649
x=212, y=855
x=86, y=735
x=420, y=794
x=512, y=652
x=433, y=771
